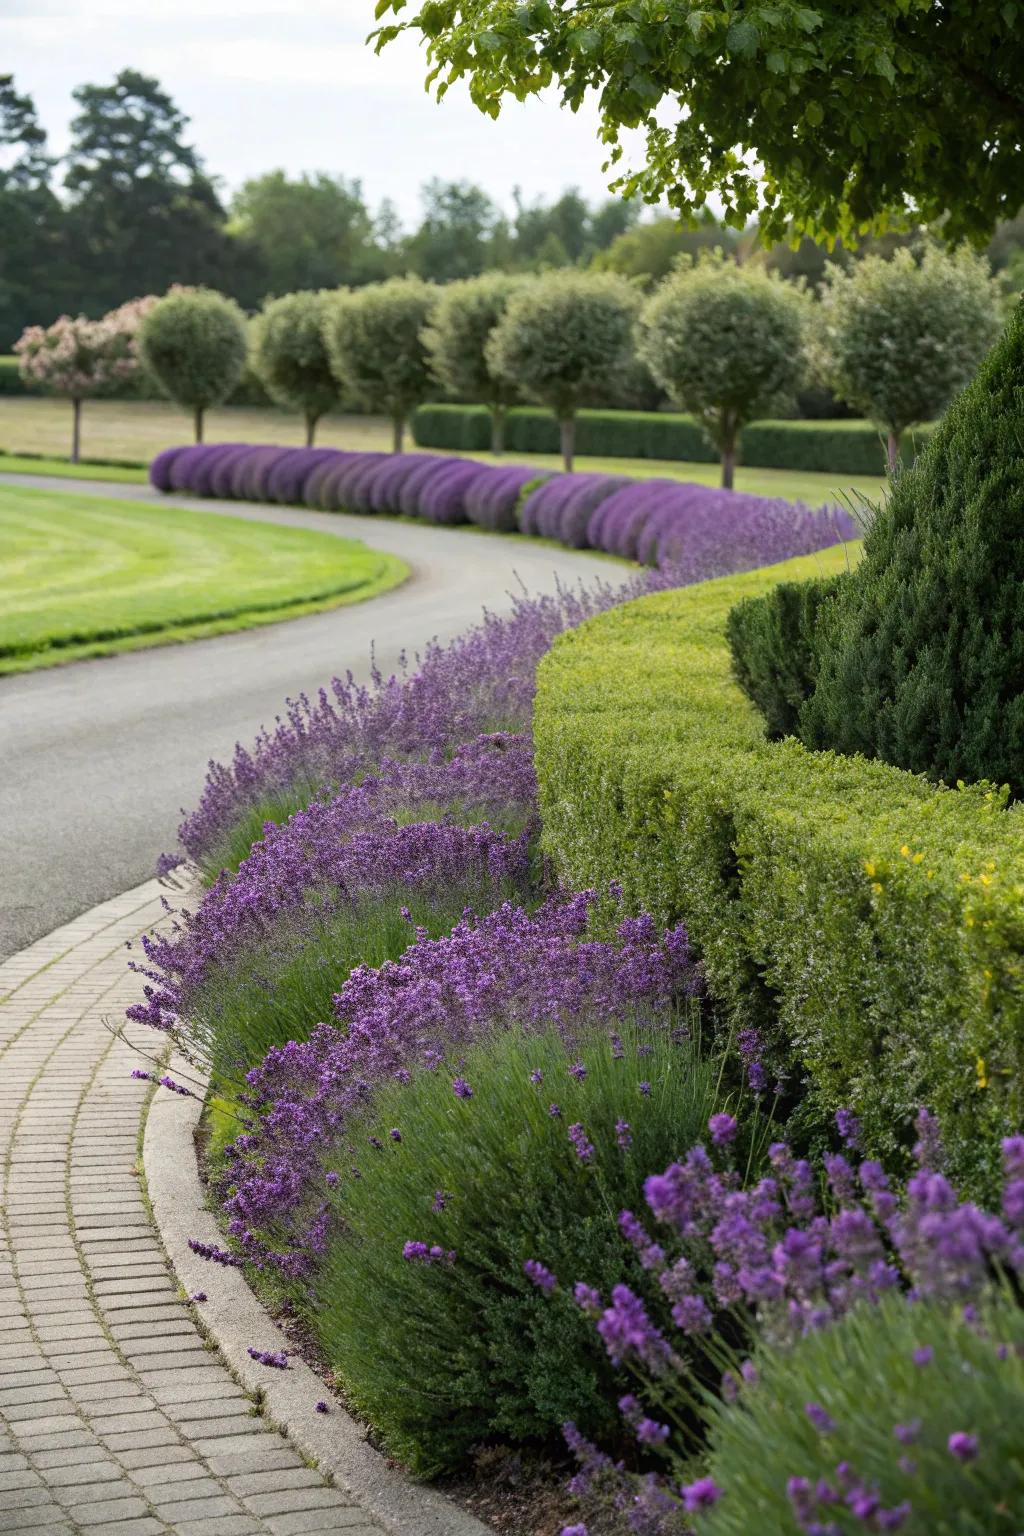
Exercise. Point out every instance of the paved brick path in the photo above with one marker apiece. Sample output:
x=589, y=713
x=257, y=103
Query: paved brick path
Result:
x=115, y=1416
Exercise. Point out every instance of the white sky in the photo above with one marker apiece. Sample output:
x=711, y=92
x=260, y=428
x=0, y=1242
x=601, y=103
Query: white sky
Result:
x=269, y=84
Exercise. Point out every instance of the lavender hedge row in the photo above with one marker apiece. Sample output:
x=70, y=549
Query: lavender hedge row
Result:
x=703, y=531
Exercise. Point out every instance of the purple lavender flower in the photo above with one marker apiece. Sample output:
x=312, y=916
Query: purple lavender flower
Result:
x=723, y=1129
x=820, y=1418
x=583, y=1146
x=461, y=1089
x=536, y=1076
x=848, y=1126
x=278, y=1358
x=198, y=1296
x=1013, y=1157
x=650, y=1432
x=439, y=1201
x=623, y=1134
x=692, y=1315
x=213, y=1253
x=578, y=1071
x=554, y=1111
x=645, y=1089
x=587, y=1298
x=922, y=1356
x=539, y=1276
x=928, y=1149
x=962, y=1446
x=322, y=1407
x=395, y=1134
x=627, y=1330
x=701, y=1495
x=906, y=1434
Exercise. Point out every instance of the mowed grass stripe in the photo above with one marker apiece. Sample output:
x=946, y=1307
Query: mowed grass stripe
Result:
x=79, y=572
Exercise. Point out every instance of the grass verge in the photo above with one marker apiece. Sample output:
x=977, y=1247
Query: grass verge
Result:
x=84, y=576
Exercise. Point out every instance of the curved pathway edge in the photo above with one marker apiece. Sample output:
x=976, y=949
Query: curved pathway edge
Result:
x=119, y=1413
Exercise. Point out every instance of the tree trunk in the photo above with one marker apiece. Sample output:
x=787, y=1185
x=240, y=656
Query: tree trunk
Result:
x=728, y=462
x=497, y=430
x=893, y=451
x=567, y=432
x=199, y=423
x=311, y=421
x=398, y=424
x=76, y=429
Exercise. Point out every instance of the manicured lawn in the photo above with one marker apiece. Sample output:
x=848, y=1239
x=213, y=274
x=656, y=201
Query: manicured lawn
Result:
x=83, y=576
x=138, y=429
x=116, y=429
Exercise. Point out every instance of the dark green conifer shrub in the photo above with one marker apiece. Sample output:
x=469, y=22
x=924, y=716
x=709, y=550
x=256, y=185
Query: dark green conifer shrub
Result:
x=921, y=656
x=772, y=644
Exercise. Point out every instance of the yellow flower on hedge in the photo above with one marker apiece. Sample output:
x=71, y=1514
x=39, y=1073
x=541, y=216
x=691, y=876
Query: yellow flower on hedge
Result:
x=918, y=857
x=905, y=851
x=979, y=1068
x=985, y=879
x=876, y=888
x=869, y=868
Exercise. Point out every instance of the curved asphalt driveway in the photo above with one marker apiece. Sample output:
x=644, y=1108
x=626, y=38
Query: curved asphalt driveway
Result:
x=97, y=757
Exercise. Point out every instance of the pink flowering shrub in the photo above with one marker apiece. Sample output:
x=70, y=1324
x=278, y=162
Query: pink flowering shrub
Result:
x=79, y=358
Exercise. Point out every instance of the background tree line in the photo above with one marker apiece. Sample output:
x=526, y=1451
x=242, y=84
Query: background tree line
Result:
x=131, y=209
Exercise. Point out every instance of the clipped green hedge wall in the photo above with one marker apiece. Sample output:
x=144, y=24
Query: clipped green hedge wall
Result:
x=830, y=447
x=11, y=382
x=871, y=924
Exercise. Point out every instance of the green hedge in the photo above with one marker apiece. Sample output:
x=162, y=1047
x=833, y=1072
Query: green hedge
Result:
x=11, y=382
x=831, y=447
x=772, y=643
x=871, y=924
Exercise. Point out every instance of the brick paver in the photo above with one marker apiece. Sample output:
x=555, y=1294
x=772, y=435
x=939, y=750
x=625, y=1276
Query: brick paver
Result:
x=115, y=1417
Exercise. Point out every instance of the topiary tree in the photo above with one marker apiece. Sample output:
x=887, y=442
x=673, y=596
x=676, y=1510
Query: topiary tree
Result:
x=194, y=343
x=724, y=341
x=921, y=652
x=456, y=339
x=78, y=358
x=898, y=338
x=375, y=343
x=564, y=338
x=290, y=356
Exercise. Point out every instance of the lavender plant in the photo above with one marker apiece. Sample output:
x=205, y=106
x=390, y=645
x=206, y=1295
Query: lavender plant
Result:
x=483, y=682
x=341, y=881
x=693, y=529
x=918, y=1429
x=444, y=1187
x=507, y=971
x=818, y=1277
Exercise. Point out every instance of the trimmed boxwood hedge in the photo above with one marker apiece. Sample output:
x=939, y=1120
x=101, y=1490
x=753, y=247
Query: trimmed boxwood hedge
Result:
x=868, y=922
x=831, y=447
